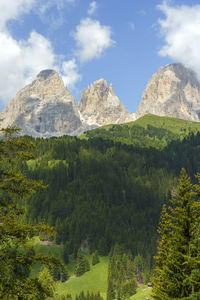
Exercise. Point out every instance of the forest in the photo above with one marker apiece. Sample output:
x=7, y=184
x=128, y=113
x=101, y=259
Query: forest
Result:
x=104, y=191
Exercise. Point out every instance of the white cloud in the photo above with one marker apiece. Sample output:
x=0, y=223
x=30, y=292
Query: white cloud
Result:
x=12, y=9
x=47, y=4
x=70, y=71
x=92, y=39
x=181, y=30
x=92, y=8
x=22, y=60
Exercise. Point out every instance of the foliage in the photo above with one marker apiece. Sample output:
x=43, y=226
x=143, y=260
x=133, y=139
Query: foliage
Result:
x=89, y=296
x=95, y=258
x=47, y=283
x=93, y=281
x=82, y=264
x=148, y=131
x=17, y=255
x=178, y=257
x=121, y=277
x=109, y=188
x=63, y=296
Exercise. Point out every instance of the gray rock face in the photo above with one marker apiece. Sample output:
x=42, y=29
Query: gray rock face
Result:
x=99, y=105
x=44, y=108
x=173, y=91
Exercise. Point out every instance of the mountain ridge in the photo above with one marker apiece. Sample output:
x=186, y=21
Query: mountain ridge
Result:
x=46, y=108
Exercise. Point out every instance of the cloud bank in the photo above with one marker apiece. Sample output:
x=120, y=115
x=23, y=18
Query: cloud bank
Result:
x=181, y=31
x=92, y=39
x=70, y=71
x=22, y=60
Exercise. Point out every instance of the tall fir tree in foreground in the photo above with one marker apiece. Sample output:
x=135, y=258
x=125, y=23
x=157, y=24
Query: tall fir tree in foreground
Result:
x=177, y=271
x=17, y=255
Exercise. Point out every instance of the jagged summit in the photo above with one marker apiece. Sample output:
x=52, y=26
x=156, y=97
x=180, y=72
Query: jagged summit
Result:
x=173, y=91
x=46, y=73
x=43, y=108
x=99, y=105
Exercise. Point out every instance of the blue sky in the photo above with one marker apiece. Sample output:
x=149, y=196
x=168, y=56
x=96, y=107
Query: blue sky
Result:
x=124, y=42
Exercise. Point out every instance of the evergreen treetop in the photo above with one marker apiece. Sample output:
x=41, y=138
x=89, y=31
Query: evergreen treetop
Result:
x=177, y=260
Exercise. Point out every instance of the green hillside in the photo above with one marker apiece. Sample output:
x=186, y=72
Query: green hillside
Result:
x=106, y=189
x=95, y=280
x=147, y=131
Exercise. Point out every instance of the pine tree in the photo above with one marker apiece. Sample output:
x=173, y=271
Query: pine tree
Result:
x=17, y=255
x=178, y=251
x=95, y=258
x=47, y=283
x=121, y=278
x=82, y=264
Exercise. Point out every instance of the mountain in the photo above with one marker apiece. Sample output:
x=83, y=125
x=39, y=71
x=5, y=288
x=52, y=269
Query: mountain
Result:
x=173, y=91
x=43, y=108
x=99, y=105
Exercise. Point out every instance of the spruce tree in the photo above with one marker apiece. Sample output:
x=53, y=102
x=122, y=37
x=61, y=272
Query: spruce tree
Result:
x=82, y=264
x=95, y=258
x=121, y=278
x=17, y=255
x=177, y=263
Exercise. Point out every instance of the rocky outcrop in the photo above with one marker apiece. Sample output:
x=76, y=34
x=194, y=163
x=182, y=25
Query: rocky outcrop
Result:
x=173, y=91
x=99, y=105
x=44, y=108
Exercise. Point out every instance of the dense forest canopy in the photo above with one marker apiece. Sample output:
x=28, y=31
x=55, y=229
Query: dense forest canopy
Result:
x=109, y=185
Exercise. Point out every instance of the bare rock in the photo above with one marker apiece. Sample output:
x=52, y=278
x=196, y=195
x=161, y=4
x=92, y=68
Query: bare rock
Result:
x=173, y=91
x=44, y=108
x=99, y=105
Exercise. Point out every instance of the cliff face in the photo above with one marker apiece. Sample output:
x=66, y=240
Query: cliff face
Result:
x=99, y=105
x=173, y=91
x=44, y=108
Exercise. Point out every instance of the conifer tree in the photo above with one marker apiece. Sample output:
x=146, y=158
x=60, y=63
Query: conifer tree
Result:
x=82, y=264
x=47, y=282
x=17, y=255
x=95, y=258
x=121, y=278
x=177, y=261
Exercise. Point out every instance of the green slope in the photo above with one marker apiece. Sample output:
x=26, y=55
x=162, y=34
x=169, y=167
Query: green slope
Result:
x=142, y=293
x=95, y=280
x=148, y=131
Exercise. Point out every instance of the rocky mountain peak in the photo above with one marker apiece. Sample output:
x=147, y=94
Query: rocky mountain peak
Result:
x=43, y=108
x=44, y=74
x=173, y=91
x=99, y=105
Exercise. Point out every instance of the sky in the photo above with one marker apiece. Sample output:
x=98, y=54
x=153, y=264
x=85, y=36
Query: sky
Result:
x=124, y=42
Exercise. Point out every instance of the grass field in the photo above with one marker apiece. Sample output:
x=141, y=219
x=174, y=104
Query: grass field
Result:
x=95, y=280
x=174, y=125
x=54, y=250
x=142, y=293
